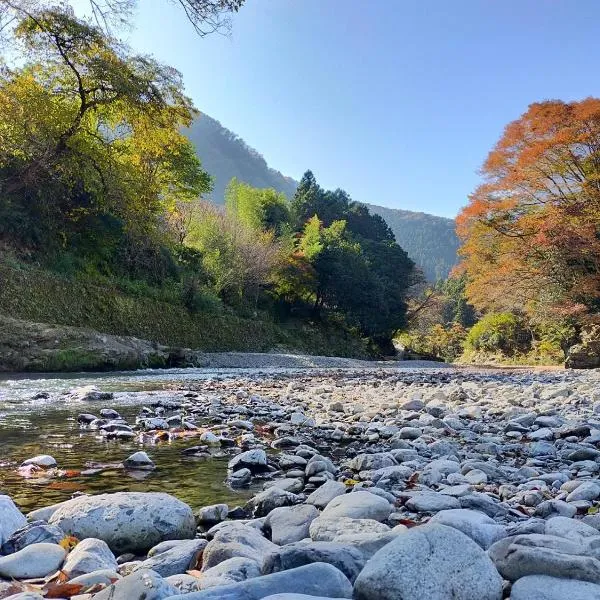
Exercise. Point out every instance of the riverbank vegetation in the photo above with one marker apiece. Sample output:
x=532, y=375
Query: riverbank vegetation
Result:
x=101, y=191
x=530, y=268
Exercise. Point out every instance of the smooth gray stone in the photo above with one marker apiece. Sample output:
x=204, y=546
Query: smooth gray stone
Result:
x=344, y=557
x=11, y=518
x=536, y=554
x=431, y=502
x=184, y=583
x=316, y=578
x=372, y=462
x=103, y=576
x=571, y=529
x=127, y=521
x=358, y=505
x=36, y=560
x=325, y=493
x=255, y=460
x=289, y=524
x=140, y=585
x=324, y=529
x=478, y=526
x=181, y=557
x=432, y=562
x=88, y=556
x=230, y=571
x=544, y=587
x=270, y=499
x=26, y=596
x=236, y=540
x=588, y=490
x=212, y=514
x=33, y=533
x=370, y=543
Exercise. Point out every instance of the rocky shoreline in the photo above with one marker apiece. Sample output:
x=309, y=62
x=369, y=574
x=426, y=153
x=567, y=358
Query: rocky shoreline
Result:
x=376, y=484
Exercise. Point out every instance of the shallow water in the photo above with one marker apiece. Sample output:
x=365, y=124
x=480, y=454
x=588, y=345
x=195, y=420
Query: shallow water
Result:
x=30, y=426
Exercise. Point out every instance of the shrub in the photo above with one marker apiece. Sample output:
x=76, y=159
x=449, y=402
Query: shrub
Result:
x=499, y=332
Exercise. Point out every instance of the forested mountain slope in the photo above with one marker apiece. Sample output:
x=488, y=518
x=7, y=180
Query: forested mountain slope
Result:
x=225, y=155
x=429, y=240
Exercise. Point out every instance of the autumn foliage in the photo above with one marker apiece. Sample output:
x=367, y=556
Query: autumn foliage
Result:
x=531, y=230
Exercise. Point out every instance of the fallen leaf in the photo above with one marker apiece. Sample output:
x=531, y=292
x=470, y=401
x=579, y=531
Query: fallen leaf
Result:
x=62, y=590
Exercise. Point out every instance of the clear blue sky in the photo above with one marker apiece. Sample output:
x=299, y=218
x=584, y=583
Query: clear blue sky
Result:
x=396, y=101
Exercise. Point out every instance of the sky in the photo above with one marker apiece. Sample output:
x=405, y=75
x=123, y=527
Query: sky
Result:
x=396, y=101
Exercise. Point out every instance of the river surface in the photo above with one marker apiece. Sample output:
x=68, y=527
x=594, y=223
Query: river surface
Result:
x=31, y=424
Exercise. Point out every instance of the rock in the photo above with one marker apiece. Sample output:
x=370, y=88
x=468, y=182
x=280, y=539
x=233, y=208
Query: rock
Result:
x=36, y=560
x=11, y=518
x=478, y=526
x=370, y=543
x=316, y=578
x=89, y=393
x=26, y=596
x=325, y=493
x=358, y=505
x=236, y=540
x=585, y=355
x=576, y=531
x=230, y=571
x=371, y=462
x=431, y=502
x=537, y=554
x=43, y=514
x=544, y=587
x=326, y=529
x=425, y=563
x=297, y=597
x=270, y=499
x=240, y=478
x=290, y=524
x=588, y=490
x=103, y=576
x=43, y=460
x=347, y=559
x=288, y=484
x=88, y=556
x=33, y=533
x=254, y=460
x=139, y=460
x=210, y=515
x=140, y=585
x=181, y=557
x=184, y=583
x=126, y=521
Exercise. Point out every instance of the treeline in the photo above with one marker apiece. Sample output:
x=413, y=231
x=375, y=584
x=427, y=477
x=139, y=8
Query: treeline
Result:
x=531, y=241
x=97, y=178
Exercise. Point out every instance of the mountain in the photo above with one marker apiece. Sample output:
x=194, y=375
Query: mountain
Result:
x=225, y=155
x=429, y=240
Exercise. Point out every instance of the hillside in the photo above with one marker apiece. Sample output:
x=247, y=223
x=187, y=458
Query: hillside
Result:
x=429, y=240
x=225, y=155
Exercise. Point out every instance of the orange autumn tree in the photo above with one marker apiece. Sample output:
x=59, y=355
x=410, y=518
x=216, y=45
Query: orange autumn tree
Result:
x=531, y=230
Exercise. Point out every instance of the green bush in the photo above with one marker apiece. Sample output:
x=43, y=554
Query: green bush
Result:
x=499, y=332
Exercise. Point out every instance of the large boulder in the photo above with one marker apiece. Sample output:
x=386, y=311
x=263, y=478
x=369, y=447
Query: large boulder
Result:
x=126, y=521
x=538, y=554
x=585, y=355
x=358, y=505
x=289, y=524
x=236, y=540
x=179, y=558
x=544, y=587
x=478, y=526
x=88, y=556
x=314, y=579
x=11, y=518
x=37, y=560
x=344, y=557
x=324, y=494
x=326, y=529
x=431, y=561
x=144, y=584
x=33, y=533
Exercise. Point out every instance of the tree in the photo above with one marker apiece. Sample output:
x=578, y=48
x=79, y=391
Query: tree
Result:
x=531, y=231
x=260, y=209
x=206, y=16
x=91, y=148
